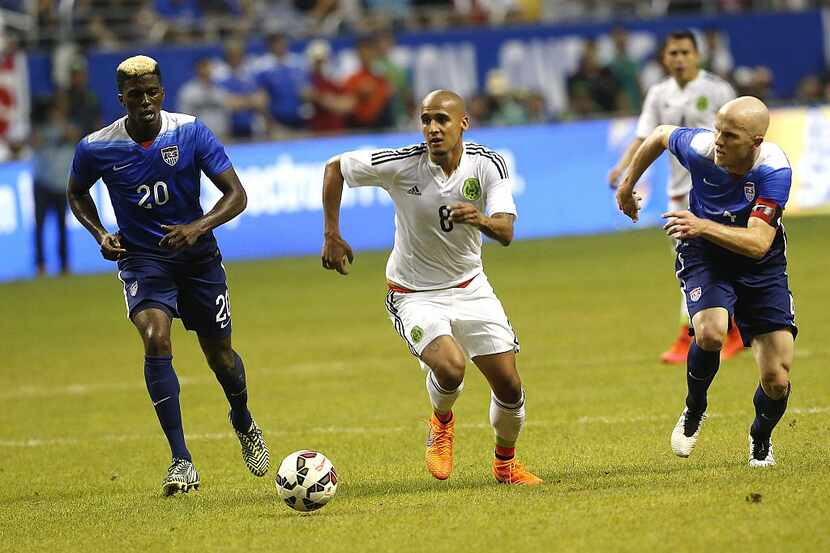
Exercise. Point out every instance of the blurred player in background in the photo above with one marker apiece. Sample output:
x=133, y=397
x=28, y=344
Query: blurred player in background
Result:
x=446, y=193
x=689, y=97
x=731, y=259
x=169, y=263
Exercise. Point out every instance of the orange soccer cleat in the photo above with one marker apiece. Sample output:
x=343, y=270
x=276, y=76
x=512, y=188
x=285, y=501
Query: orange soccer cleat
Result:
x=439, y=447
x=676, y=354
x=734, y=343
x=513, y=472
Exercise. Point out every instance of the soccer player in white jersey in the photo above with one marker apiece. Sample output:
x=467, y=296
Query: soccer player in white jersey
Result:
x=446, y=193
x=689, y=97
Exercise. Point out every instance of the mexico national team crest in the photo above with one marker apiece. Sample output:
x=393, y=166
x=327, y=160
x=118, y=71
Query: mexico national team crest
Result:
x=749, y=191
x=417, y=334
x=170, y=155
x=702, y=103
x=471, y=189
x=695, y=294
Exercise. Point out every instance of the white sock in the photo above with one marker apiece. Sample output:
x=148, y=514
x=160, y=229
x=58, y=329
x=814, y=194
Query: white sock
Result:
x=507, y=419
x=442, y=400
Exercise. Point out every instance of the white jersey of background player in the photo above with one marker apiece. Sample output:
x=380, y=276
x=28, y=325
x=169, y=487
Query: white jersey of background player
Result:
x=446, y=193
x=689, y=97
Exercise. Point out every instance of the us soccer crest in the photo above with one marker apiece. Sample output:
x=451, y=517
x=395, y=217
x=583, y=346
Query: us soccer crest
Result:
x=134, y=288
x=695, y=294
x=170, y=155
x=471, y=189
x=749, y=191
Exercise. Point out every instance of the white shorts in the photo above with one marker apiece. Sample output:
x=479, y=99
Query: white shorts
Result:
x=472, y=315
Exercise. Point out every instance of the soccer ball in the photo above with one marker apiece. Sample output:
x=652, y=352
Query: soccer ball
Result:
x=306, y=480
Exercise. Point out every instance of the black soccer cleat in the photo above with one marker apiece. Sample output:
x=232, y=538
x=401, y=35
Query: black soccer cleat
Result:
x=181, y=477
x=254, y=450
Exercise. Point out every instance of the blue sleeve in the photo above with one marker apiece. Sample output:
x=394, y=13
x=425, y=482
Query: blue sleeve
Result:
x=775, y=186
x=83, y=169
x=680, y=144
x=210, y=153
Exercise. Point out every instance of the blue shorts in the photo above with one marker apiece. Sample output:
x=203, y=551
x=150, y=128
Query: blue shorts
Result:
x=196, y=292
x=760, y=305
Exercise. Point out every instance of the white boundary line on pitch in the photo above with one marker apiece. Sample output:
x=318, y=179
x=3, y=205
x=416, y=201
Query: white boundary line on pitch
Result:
x=38, y=442
x=72, y=390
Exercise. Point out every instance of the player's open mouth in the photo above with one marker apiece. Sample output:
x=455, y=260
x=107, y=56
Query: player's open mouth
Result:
x=435, y=141
x=148, y=115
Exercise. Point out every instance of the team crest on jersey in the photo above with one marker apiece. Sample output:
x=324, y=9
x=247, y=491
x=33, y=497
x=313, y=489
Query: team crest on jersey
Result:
x=417, y=334
x=471, y=189
x=170, y=155
x=133, y=289
x=695, y=294
x=702, y=103
x=749, y=191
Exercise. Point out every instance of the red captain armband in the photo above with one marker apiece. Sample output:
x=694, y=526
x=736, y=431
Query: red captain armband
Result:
x=766, y=210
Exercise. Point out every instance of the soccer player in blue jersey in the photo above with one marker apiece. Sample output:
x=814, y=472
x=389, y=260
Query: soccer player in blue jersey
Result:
x=169, y=263
x=731, y=259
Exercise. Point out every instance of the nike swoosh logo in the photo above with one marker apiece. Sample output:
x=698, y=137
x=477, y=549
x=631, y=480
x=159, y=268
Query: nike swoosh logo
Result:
x=709, y=183
x=161, y=400
x=118, y=168
x=226, y=323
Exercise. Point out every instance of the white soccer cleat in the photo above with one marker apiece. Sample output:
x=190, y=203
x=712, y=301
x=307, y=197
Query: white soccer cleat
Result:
x=181, y=478
x=760, y=453
x=685, y=433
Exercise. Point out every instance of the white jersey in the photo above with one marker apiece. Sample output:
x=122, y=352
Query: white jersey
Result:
x=431, y=252
x=692, y=106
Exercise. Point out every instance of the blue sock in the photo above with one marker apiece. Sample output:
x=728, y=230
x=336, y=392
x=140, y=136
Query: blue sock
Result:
x=702, y=366
x=768, y=412
x=163, y=386
x=236, y=390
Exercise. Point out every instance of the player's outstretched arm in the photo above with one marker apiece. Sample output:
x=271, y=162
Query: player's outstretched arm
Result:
x=335, y=250
x=753, y=241
x=649, y=150
x=83, y=207
x=619, y=169
x=231, y=204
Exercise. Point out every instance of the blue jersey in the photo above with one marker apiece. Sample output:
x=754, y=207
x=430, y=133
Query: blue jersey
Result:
x=153, y=185
x=730, y=200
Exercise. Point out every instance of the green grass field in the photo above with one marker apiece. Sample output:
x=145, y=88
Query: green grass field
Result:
x=82, y=455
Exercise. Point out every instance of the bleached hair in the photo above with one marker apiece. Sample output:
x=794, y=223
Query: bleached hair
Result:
x=136, y=66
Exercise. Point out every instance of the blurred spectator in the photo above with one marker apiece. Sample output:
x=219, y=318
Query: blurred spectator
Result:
x=54, y=145
x=201, y=97
x=754, y=81
x=717, y=58
x=810, y=91
x=86, y=109
x=626, y=71
x=401, y=103
x=370, y=90
x=504, y=104
x=592, y=88
x=331, y=104
x=246, y=100
x=284, y=77
x=15, y=105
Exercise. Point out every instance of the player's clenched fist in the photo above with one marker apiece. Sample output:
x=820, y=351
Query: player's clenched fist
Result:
x=111, y=247
x=629, y=202
x=465, y=213
x=337, y=254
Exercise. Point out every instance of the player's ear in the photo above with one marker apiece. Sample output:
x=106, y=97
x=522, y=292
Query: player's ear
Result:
x=121, y=100
x=757, y=140
x=465, y=122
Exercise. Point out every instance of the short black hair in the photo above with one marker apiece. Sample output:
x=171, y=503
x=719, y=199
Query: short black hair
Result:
x=134, y=67
x=681, y=34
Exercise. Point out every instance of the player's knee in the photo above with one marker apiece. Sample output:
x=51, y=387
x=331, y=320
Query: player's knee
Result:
x=775, y=383
x=509, y=390
x=156, y=341
x=449, y=371
x=221, y=361
x=710, y=337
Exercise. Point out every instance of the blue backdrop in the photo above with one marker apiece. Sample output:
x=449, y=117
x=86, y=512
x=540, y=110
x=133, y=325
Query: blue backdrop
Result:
x=559, y=173
x=791, y=44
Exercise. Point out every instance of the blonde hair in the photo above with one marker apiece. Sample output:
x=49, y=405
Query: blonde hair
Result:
x=136, y=66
